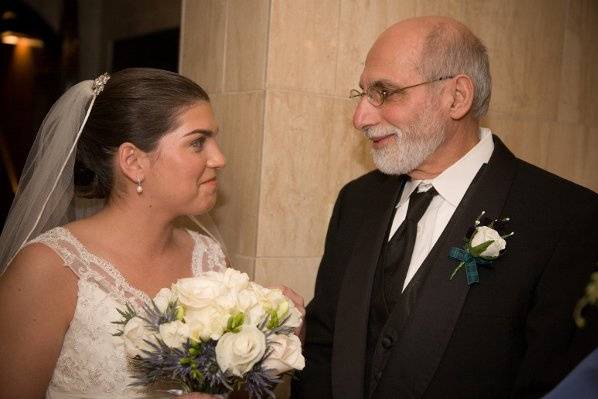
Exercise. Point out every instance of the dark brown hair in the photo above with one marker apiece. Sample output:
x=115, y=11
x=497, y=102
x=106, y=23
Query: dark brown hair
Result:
x=138, y=106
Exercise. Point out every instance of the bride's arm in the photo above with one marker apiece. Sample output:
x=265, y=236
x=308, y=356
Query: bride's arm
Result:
x=37, y=301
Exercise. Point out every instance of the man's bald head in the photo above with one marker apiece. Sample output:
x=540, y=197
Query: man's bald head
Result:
x=439, y=47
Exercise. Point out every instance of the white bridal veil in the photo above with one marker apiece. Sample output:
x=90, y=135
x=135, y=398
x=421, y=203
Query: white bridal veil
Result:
x=46, y=187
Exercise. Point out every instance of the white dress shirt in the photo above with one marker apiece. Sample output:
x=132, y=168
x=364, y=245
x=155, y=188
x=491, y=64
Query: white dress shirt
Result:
x=451, y=186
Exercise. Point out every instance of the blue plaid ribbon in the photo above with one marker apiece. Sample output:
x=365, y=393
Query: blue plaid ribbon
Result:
x=471, y=263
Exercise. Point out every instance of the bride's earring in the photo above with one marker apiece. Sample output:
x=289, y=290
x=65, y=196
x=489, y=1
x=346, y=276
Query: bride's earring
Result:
x=139, y=187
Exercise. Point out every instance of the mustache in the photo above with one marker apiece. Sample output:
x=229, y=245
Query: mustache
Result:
x=376, y=132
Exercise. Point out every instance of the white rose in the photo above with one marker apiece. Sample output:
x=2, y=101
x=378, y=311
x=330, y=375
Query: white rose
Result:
x=285, y=354
x=206, y=323
x=199, y=292
x=239, y=352
x=174, y=334
x=235, y=279
x=163, y=298
x=485, y=233
x=134, y=334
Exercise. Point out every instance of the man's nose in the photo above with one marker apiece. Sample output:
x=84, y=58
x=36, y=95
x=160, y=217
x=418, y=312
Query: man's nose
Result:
x=365, y=114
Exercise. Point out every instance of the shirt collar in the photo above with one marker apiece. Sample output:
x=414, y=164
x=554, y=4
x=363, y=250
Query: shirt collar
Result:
x=453, y=182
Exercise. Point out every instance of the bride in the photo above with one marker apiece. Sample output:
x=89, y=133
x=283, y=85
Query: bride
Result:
x=144, y=140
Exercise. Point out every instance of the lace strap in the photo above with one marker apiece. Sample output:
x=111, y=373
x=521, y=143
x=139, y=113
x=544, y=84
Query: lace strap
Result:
x=58, y=242
x=207, y=254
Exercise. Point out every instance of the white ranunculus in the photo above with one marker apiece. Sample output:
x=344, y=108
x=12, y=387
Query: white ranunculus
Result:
x=174, y=334
x=485, y=233
x=271, y=299
x=227, y=301
x=134, y=333
x=286, y=354
x=207, y=323
x=239, y=352
x=199, y=292
x=248, y=303
x=163, y=298
x=246, y=299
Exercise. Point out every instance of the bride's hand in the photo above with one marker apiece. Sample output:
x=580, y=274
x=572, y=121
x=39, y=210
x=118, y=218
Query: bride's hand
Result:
x=299, y=303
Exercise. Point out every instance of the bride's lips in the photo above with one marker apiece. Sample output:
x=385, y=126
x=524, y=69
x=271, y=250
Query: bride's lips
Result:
x=379, y=142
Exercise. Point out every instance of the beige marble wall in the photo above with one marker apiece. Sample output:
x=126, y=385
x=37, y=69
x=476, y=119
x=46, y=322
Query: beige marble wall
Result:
x=279, y=72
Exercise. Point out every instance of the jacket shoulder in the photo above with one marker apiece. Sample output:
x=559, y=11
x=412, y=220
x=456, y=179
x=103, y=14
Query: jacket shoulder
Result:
x=547, y=183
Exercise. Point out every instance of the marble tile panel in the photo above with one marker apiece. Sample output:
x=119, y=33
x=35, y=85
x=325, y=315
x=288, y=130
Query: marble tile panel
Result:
x=310, y=151
x=246, y=44
x=526, y=138
x=566, y=148
x=303, y=45
x=202, y=42
x=525, y=41
x=360, y=24
x=299, y=274
x=449, y=8
x=241, y=126
x=578, y=99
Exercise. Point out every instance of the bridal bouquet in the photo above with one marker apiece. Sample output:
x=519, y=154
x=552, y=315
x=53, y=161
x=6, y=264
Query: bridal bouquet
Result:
x=214, y=333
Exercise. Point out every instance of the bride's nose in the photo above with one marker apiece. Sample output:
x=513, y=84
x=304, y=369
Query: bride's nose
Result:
x=216, y=159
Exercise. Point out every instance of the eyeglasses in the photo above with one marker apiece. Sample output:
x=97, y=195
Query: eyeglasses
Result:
x=377, y=95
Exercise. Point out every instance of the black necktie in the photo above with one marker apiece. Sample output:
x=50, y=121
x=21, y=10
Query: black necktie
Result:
x=398, y=251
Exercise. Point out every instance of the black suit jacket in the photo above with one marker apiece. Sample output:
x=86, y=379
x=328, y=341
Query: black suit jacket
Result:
x=511, y=335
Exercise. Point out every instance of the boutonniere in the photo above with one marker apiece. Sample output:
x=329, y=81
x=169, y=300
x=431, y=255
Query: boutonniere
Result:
x=484, y=243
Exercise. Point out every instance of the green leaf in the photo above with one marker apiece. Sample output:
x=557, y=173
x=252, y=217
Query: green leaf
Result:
x=461, y=264
x=479, y=249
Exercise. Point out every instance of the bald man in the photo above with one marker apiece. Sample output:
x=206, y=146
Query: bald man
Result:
x=387, y=319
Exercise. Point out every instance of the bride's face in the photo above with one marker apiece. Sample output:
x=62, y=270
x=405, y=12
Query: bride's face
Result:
x=182, y=175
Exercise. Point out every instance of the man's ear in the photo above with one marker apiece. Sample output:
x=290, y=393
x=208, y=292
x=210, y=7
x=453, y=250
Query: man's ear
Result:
x=132, y=162
x=462, y=91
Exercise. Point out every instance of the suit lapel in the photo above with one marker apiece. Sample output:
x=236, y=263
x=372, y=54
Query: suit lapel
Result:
x=350, y=333
x=424, y=335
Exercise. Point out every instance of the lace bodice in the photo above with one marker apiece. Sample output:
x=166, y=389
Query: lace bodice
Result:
x=92, y=362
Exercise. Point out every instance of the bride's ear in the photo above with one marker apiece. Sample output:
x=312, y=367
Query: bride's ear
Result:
x=132, y=162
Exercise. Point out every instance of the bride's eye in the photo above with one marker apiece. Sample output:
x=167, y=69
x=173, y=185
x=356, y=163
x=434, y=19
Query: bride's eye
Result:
x=198, y=143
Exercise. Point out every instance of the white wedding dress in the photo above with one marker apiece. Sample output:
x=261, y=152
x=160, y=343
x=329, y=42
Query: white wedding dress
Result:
x=92, y=363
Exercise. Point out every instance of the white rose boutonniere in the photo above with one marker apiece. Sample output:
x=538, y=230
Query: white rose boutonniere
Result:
x=483, y=244
x=485, y=234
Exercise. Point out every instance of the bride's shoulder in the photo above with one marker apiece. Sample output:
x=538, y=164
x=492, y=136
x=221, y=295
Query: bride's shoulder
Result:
x=37, y=263
x=42, y=251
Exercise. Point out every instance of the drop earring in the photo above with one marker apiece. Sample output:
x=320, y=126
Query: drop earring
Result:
x=139, y=187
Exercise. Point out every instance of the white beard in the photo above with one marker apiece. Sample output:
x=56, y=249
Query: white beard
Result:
x=409, y=147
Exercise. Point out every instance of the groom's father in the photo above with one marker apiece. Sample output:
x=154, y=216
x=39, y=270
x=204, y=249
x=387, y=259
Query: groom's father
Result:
x=387, y=319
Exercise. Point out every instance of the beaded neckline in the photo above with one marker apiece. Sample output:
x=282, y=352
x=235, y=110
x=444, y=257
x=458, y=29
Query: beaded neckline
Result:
x=113, y=270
